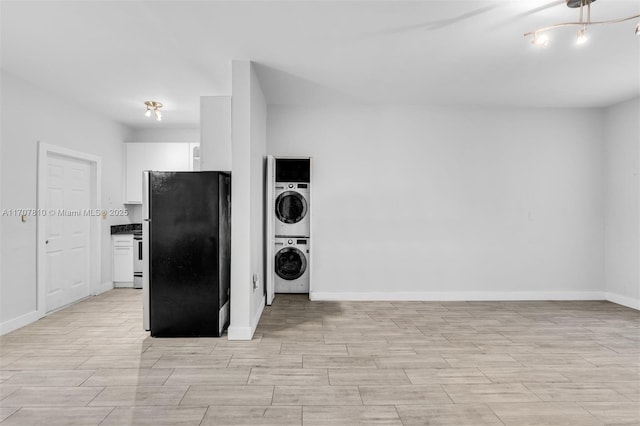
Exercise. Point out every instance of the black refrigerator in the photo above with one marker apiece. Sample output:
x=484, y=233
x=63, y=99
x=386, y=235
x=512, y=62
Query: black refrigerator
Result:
x=187, y=259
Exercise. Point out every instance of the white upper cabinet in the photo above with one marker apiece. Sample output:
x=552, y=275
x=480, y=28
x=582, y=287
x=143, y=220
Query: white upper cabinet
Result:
x=134, y=164
x=174, y=157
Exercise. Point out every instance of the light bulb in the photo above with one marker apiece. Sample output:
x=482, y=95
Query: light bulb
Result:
x=148, y=113
x=541, y=40
x=158, y=114
x=582, y=37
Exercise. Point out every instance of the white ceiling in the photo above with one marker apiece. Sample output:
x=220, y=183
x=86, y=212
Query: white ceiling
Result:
x=114, y=55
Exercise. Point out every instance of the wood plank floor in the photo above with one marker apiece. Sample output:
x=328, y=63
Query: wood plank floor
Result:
x=330, y=363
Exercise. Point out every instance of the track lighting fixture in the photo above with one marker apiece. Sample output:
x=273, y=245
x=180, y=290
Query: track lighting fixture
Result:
x=541, y=40
x=155, y=107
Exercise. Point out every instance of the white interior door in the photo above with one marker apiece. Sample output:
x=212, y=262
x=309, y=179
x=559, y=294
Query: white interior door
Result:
x=67, y=230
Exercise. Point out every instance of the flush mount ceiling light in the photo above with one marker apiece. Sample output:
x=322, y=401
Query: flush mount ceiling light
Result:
x=155, y=107
x=540, y=39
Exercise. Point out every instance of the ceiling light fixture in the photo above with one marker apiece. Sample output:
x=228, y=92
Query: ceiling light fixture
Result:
x=582, y=37
x=540, y=40
x=155, y=107
x=539, y=33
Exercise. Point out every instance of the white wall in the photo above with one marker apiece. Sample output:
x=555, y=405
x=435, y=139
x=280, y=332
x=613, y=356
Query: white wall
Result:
x=30, y=115
x=258, y=158
x=247, y=208
x=622, y=199
x=215, y=133
x=451, y=203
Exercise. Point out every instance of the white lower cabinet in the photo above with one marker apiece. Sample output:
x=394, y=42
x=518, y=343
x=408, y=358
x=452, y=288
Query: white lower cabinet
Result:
x=122, y=249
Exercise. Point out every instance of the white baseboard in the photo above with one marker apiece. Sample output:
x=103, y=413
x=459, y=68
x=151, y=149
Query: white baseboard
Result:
x=256, y=317
x=105, y=286
x=124, y=284
x=623, y=300
x=239, y=333
x=21, y=321
x=437, y=296
x=246, y=333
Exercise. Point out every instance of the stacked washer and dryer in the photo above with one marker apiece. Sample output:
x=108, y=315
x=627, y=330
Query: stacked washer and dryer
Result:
x=288, y=225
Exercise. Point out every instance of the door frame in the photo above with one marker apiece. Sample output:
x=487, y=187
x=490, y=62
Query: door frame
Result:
x=269, y=249
x=95, y=234
x=269, y=232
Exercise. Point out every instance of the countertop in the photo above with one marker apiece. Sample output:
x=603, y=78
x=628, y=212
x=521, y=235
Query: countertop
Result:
x=130, y=228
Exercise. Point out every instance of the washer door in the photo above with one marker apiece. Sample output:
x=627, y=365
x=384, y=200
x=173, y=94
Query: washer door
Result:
x=290, y=263
x=291, y=207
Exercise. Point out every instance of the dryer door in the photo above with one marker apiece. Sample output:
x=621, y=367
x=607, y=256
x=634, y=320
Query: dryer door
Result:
x=290, y=263
x=291, y=207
